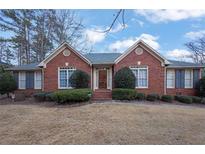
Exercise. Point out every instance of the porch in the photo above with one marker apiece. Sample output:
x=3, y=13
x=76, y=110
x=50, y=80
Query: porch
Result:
x=102, y=82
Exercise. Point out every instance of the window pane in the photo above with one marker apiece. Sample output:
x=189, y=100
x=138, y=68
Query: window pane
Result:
x=70, y=72
x=135, y=71
x=188, y=79
x=63, y=78
x=142, y=78
x=170, y=78
x=22, y=80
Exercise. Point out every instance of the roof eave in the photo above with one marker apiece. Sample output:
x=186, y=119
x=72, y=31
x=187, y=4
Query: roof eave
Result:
x=185, y=66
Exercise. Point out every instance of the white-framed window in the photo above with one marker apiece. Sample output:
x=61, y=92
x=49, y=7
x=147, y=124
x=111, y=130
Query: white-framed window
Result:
x=22, y=80
x=64, y=75
x=170, y=78
x=141, y=76
x=188, y=78
x=37, y=80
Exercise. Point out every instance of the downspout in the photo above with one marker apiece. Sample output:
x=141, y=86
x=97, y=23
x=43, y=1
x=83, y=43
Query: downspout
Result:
x=91, y=78
x=165, y=83
x=42, y=82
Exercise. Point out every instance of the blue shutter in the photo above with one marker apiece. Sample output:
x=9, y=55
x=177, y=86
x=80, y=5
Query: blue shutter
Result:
x=182, y=79
x=177, y=78
x=29, y=80
x=195, y=77
x=16, y=77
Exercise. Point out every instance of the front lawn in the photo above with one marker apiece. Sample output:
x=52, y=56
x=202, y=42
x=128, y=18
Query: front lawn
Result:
x=101, y=123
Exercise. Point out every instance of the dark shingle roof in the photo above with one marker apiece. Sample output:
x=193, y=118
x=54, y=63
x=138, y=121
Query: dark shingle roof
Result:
x=102, y=58
x=174, y=63
x=32, y=66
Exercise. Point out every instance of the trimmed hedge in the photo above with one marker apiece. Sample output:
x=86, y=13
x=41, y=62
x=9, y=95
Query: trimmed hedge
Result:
x=124, y=78
x=123, y=94
x=196, y=99
x=152, y=97
x=184, y=99
x=72, y=95
x=40, y=97
x=140, y=96
x=167, y=98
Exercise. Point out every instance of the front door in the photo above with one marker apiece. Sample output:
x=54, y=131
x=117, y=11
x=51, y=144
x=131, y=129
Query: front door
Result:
x=102, y=79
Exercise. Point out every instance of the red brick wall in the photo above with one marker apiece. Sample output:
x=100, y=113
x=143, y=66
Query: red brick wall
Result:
x=27, y=92
x=180, y=91
x=51, y=70
x=155, y=70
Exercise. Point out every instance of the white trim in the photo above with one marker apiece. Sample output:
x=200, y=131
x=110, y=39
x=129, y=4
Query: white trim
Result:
x=19, y=74
x=35, y=84
x=173, y=71
x=141, y=68
x=135, y=45
x=58, y=50
x=94, y=78
x=109, y=78
x=165, y=80
x=97, y=78
x=59, y=69
x=191, y=79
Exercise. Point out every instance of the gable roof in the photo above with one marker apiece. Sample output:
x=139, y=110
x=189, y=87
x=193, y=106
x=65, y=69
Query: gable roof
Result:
x=102, y=58
x=26, y=67
x=136, y=44
x=182, y=64
x=58, y=50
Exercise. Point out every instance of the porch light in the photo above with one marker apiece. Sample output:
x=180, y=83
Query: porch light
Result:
x=138, y=62
x=66, y=64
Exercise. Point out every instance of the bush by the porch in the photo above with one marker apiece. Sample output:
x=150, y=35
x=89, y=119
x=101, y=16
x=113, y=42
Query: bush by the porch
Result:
x=79, y=79
x=123, y=94
x=7, y=83
x=72, y=95
x=124, y=78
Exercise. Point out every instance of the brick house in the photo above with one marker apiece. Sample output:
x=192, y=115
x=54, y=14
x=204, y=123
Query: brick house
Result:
x=153, y=72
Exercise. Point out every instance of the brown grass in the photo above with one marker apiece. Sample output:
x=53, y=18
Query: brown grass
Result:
x=98, y=123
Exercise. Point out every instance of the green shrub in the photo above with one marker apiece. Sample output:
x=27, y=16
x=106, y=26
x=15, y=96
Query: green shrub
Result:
x=40, y=97
x=203, y=101
x=124, y=78
x=140, y=96
x=49, y=97
x=152, y=97
x=167, y=98
x=79, y=79
x=7, y=83
x=184, y=99
x=43, y=96
x=72, y=95
x=196, y=99
x=123, y=94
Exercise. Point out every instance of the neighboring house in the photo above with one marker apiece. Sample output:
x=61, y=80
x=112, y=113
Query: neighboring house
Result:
x=153, y=72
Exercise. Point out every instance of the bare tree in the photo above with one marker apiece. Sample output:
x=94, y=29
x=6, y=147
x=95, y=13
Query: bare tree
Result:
x=197, y=47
